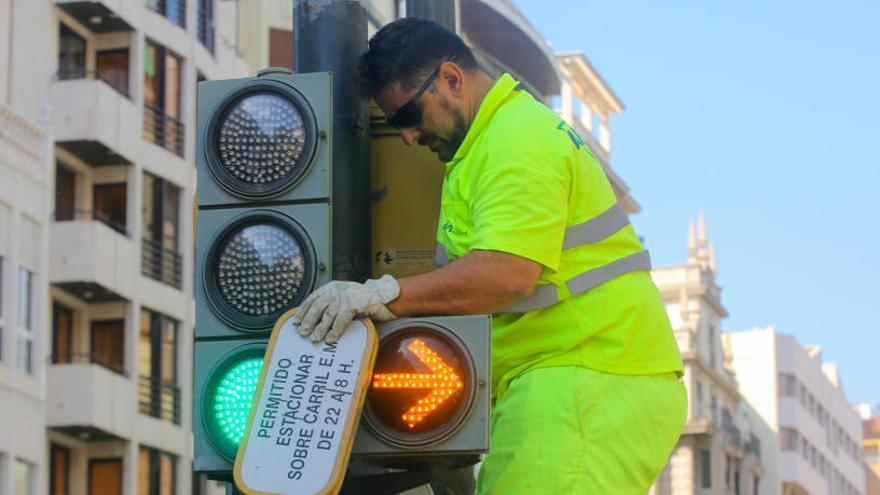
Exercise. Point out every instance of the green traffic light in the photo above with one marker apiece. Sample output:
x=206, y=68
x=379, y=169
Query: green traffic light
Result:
x=232, y=396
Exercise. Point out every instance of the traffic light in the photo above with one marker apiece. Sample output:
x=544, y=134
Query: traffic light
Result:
x=263, y=237
x=429, y=394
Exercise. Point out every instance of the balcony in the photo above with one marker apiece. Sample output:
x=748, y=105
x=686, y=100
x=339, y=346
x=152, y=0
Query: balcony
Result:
x=159, y=400
x=92, y=260
x=94, y=121
x=163, y=130
x=102, y=16
x=88, y=401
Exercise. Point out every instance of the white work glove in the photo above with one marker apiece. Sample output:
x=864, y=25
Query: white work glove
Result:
x=328, y=311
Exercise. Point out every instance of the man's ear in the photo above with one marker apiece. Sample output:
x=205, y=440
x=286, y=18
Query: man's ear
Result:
x=453, y=77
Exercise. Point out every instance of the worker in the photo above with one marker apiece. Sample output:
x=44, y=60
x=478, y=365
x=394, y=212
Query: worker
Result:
x=586, y=374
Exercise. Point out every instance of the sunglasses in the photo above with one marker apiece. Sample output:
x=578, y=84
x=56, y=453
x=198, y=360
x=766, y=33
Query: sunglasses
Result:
x=410, y=113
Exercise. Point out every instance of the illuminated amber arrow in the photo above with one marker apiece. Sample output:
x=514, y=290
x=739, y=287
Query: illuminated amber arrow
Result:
x=443, y=382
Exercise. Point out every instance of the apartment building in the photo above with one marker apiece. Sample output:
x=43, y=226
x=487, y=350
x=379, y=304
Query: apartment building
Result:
x=802, y=399
x=726, y=447
x=96, y=244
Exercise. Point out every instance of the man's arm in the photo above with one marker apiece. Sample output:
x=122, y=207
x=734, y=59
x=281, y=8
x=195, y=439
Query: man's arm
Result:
x=477, y=283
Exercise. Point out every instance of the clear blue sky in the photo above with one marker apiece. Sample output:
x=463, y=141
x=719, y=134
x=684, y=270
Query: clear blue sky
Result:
x=765, y=115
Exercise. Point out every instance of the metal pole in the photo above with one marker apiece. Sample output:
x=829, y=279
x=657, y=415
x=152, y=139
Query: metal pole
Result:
x=440, y=11
x=329, y=36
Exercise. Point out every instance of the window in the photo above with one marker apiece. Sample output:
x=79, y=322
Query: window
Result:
x=728, y=472
x=281, y=52
x=105, y=476
x=24, y=478
x=71, y=54
x=157, y=473
x=206, y=24
x=162, y=106
x=112, y=68
x=712, y=345
x=24, y=345
x=157, y=366
x=161, y=218
x=65, y=193
x=577, y=109
x=788, y=439
x=705, y=469
x=174, y=10
x=787, y=384
x=59, y=471
x=1, y=308
x=108, y=344
x=596, y=125
x=62, y=334
x=110, y=205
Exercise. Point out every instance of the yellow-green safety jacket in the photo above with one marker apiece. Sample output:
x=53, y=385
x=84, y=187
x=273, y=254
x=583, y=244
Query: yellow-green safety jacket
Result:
x=523, y=182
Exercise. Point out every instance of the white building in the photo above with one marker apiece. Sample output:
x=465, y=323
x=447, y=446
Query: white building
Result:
x=96, y=313
x=726, y=448
x=802, y=399
x=25, y=178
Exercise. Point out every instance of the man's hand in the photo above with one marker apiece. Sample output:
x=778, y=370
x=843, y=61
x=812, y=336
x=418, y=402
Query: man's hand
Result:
x=328, y=311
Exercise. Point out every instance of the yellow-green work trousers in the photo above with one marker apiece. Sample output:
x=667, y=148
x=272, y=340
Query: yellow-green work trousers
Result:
x=573, y=430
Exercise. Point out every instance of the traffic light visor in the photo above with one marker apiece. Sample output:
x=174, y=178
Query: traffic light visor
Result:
x=422, y=386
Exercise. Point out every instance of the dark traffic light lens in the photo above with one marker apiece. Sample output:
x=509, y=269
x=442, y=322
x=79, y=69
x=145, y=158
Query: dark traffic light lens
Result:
x=260, y=269
x=259, y=265
x=421, y=389
x=262, y=141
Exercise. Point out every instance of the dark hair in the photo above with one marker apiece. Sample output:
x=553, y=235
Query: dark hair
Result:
x=406, y=51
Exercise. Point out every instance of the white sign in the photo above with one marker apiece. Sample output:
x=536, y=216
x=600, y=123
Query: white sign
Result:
x=306, y=410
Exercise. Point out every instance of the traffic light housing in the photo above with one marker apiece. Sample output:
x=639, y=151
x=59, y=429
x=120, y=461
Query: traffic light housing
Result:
x=263, y=236
x=429, y=396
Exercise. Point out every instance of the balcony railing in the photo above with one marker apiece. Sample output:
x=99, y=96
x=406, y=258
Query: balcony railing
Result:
x=163, y=130
x=161, y=264
x=206, y=29
x=174, y=10
x=98, y=216
x=117, y=80
x=159, y=400
x=88, y=358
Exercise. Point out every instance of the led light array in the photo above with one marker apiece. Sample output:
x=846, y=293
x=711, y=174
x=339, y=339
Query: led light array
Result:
x=443, y=382
x=260, y=269
x=261, y=138
x=233, y=396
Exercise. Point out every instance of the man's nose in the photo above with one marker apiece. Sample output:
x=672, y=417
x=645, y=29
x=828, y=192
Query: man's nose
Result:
x=409, y=134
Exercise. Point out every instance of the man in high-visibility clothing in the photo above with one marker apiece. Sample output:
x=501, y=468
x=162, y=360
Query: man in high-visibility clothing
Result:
x=585, y=369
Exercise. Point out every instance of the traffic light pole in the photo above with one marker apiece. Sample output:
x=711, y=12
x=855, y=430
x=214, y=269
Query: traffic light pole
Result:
x=329, y=36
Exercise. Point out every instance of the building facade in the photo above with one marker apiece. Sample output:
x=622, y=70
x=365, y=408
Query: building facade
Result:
x=802, y=399
x=97, y=272
x=25, y=178
x=870, y=447
x=726, y=448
